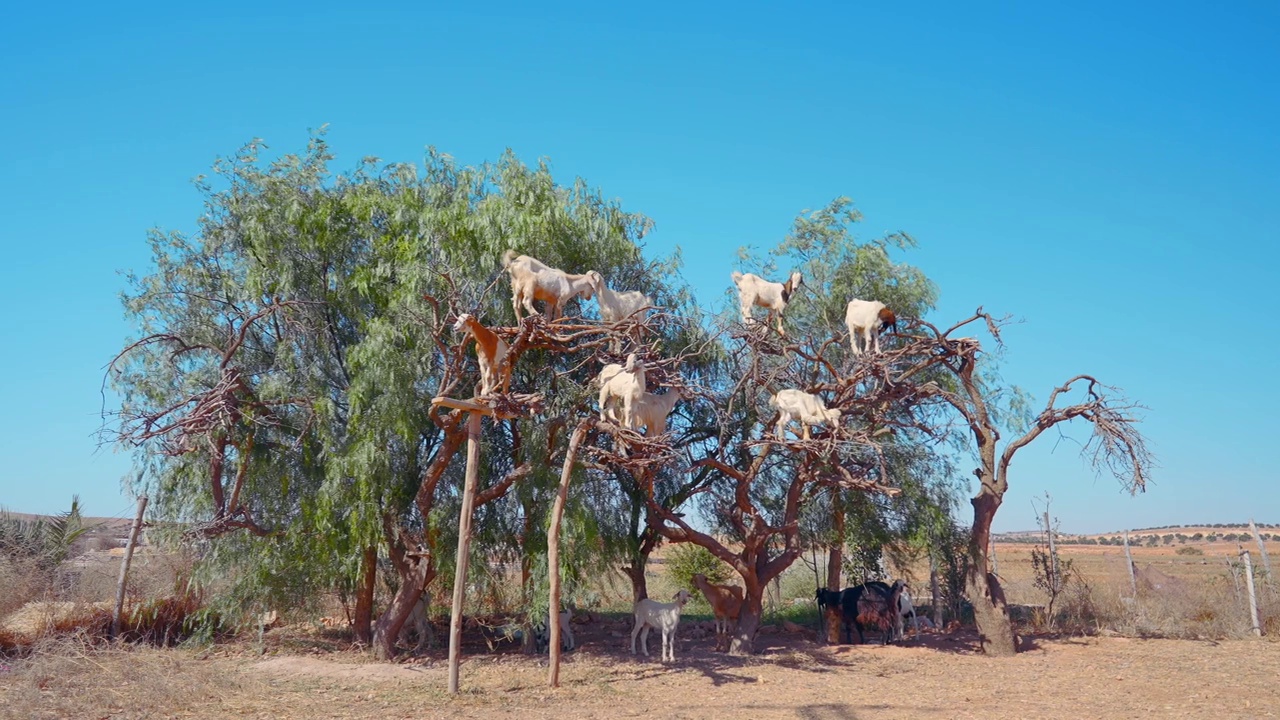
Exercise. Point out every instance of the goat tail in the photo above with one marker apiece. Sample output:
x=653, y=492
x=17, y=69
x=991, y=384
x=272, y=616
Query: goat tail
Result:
x=507, y=257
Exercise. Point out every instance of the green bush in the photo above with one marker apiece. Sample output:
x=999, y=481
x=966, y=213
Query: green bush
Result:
x=1189, y=550
x=687, y=560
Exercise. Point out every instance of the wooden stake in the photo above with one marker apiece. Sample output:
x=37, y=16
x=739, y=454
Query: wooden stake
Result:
x=1128, y=559
x=464, y=547
x=124, y=566
x=1053, y=555
x=1253, y=599
x=553, y=553
x=936, y=591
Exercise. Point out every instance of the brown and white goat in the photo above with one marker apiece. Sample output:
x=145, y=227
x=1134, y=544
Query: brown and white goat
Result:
x=532, y=280
x=491, y=354
x=868, y=318
x=726, y=604
x=754, y=290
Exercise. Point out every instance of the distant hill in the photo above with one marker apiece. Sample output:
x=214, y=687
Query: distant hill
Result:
x=1167, y=535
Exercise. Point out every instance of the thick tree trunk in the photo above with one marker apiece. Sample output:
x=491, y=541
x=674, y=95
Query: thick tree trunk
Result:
x=412, y=584
x=990, y=609
x=639, y=584
x=364, y=595
x=749, y=619
x=835, y=564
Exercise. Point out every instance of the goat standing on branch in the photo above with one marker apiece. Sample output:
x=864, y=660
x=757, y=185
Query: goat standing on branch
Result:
x=618, y=306
x=626, y=383
x=491, y=354
x=531, y=280
x=868, y=318
x=800, y=405
x=754, y=290
x=651, y=411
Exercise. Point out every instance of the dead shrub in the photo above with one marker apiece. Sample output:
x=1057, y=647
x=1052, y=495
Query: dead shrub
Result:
x=75, y=676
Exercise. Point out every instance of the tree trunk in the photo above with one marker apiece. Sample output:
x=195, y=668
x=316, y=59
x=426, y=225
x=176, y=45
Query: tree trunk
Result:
x=990, y=609
x=835, y=551
x=392, y=619
x=749, y=619
x=364, y=595
x=639, y=584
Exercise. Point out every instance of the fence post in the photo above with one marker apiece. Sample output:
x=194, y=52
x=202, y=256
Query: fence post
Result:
x=464, y=548
x=124, y=566
x=1128, y=559
x=1253, y=600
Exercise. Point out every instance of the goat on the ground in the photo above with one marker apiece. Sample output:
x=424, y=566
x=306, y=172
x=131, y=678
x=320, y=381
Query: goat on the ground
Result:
x=491, y=354
x=532, y=280
x=419, y=624
x=542, y=633
x=878, y=608
x=725, y=601
x=664, y=617
x=868, y=318
x=808, y=409
x=754, y=290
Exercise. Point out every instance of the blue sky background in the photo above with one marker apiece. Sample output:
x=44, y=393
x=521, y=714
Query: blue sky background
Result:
x=1109, y=175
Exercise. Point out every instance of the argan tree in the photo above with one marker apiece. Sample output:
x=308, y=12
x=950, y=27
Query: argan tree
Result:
x=1116, y=446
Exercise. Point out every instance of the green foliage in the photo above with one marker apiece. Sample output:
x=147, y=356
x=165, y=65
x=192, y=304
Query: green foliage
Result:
x=686, y=560
x=44, y=541
x=1189, y=550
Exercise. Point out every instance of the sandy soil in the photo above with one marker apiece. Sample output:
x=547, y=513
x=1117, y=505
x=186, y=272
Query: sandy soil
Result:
x=934, y=676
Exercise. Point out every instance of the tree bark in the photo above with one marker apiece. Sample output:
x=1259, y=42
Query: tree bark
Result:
x=364, y=595
x=990, y=609
x=412, y=583
x=639, y=583
x=744, y=637
x=835, y=563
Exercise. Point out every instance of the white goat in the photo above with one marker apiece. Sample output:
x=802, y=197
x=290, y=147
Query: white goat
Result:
x=619, y=306
x=754, y=290
x=491, y=353
x=542, y=636
x=906, y=608
x=663, y=617
x=808, y=409
x=868, y=318
x=627, y=383
x=531, y=280
x=651, y=411
x=418, y=623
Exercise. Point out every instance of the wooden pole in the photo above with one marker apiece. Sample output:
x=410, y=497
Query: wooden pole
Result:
x=464, y=547
x=1128, y=560
x=553, y=553
x=937, y=594
x=1253, y=599
x=1053, y=555
x=124, y=566
x=1262, y=548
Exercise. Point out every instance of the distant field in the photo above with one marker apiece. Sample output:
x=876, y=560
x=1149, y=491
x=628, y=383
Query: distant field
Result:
x=1104, y=565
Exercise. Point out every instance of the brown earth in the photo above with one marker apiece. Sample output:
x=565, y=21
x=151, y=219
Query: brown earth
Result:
x=931, y=676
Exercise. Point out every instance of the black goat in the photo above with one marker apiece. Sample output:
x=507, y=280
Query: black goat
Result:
x=877, y=606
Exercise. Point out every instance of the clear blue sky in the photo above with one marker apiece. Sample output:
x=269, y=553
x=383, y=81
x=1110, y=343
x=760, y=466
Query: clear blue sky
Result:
x=1109, y=175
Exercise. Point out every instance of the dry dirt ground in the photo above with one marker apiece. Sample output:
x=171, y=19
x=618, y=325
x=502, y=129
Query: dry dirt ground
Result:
x=934, y=676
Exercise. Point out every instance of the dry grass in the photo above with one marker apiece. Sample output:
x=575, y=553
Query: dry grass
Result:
x=74, y=676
